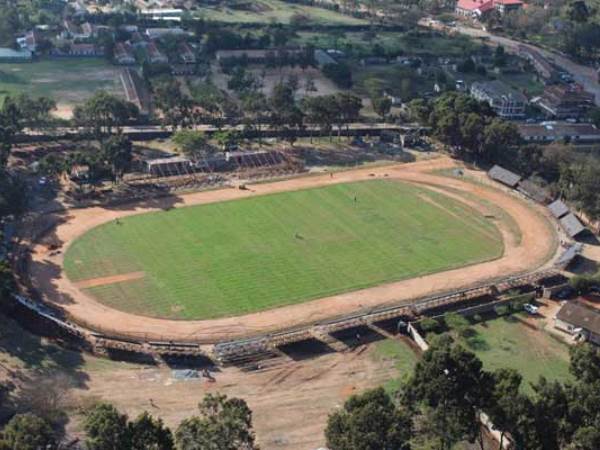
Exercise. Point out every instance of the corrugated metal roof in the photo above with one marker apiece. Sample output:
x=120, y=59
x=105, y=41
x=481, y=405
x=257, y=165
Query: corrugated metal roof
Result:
x=572, y=225
x=569, y=255
x=558, y=209
x=504, y=176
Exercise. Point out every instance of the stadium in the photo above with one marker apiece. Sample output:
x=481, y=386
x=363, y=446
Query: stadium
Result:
x=216, y=266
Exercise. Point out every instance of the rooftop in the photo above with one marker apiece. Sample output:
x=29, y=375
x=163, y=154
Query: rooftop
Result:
x=498, y=89
x=580, y=315
x=474, y=5
x=557, y=129
x=504, y=176
x=558, y=209
x=572, y=225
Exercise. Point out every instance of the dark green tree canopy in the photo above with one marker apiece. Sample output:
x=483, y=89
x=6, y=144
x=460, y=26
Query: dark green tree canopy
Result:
x=369, y=421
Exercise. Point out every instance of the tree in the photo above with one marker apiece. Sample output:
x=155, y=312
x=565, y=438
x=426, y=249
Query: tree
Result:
x=419, y=110
x=223, y=424
x=194, y=144
x=106, y=428
x=10, y=125
x=578, y=11
x=349, y=107
x=47, y=395
x=148, y=433
x=320, y=111
x=585, y=363
x=27, y=432
x=450, y=388
x=369, y=421
x=499, y=56
x=176, y=107
x=498, y=137
x=339, y=73
x=382, y=106
x=511, y=411
x=33, y=112
x=117, y=152
x=227, y=139
x=256, y=110
x=103, y=112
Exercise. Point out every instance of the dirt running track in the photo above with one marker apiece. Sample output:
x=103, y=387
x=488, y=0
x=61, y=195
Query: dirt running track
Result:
x=537, y=245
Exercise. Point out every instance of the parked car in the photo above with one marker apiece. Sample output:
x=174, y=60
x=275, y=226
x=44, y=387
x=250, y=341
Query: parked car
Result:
x=531, y=309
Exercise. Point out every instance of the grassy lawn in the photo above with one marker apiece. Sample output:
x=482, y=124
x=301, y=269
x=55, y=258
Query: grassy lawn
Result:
x=266, y=11
x=403, y=357
x=253, y=254
x=398, y=80
x=68, y=81
x=505, y=342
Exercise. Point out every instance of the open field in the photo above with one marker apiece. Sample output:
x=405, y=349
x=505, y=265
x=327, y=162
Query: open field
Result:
x=69, y=81
x=507, y=342
x=249, y=255
x=266, y=11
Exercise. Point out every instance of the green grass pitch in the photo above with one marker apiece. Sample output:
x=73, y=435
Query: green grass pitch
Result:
x=248, y=255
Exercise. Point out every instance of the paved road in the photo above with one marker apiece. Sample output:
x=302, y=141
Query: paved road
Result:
x=584, y=75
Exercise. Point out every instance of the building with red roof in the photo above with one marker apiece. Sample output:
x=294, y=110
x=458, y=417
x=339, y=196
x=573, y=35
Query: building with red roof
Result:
x=478, y=8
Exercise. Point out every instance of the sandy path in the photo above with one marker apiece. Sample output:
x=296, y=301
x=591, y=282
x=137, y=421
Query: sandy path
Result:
x=103, y=281
x=537, y=245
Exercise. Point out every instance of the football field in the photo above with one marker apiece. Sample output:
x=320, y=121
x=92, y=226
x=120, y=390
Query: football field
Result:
x=242, y=256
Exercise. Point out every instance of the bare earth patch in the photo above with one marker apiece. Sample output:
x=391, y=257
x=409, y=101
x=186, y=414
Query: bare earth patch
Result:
x=102, y=281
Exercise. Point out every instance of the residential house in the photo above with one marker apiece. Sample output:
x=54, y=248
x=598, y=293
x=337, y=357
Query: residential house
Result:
x=30, y=41
x=473, y=8
x=505, y=101
x=506, y=6
x=186, y=54
x=74, y=31
x=323, y=58
x=86, y=50
x=562, y=101
x=579, y=319
x=123, y=54
x=155, y=56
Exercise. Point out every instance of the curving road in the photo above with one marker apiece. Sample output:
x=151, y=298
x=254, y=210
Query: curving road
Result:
x=584, y=75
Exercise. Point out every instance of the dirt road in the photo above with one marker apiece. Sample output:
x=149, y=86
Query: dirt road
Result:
x=535, y=245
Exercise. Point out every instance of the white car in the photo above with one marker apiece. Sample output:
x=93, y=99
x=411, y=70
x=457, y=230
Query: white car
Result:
x=531, y=309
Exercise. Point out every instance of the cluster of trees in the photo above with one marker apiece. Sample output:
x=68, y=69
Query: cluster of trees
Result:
x=468, y=126
x=574, y=21
x=276, y=58
x=440, y=406
x=15, y=114
x=280, y=110
x=222, y=423
x=474, y=133
x=103, y=113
